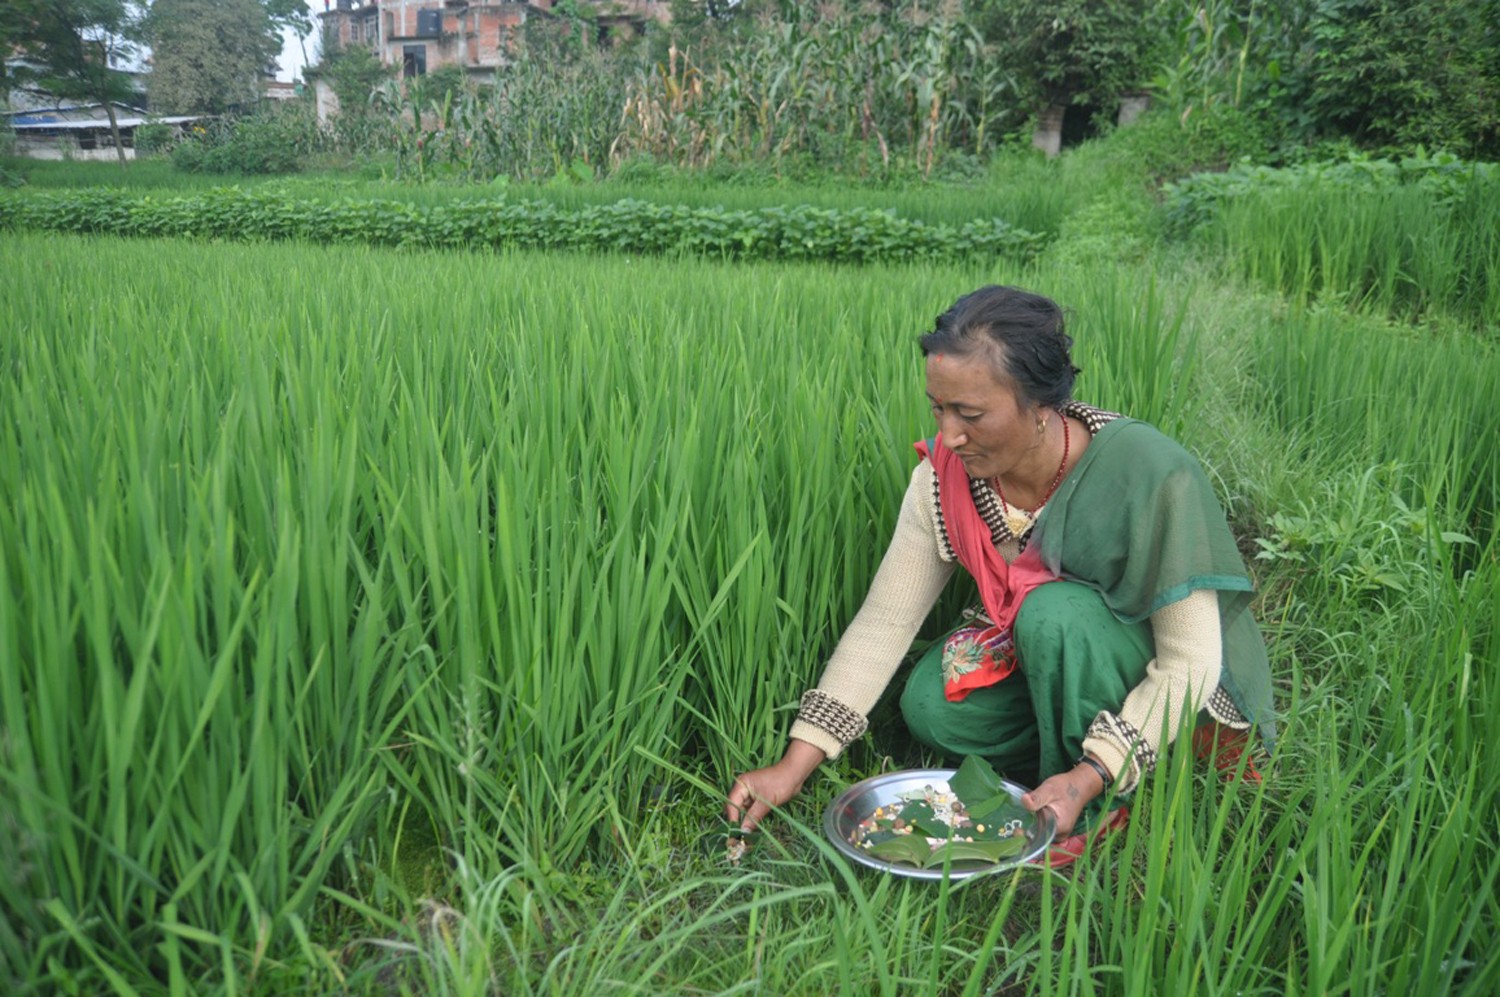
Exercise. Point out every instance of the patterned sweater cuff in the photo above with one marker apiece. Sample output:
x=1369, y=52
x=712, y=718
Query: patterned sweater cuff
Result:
x=827, y=723
x=1121, y=748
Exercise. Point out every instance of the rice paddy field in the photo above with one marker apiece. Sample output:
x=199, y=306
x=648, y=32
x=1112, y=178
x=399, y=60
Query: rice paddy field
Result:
x=379, y=621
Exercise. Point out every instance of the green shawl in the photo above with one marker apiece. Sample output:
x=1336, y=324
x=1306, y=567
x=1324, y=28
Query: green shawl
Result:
x=1138, y=521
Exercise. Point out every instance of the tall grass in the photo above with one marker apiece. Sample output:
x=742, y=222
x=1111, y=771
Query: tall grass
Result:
x=1347, y=391
x=145, y=173
x=374, y=619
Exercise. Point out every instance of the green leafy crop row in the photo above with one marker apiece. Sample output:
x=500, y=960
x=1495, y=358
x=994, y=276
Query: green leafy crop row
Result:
x=800, y=233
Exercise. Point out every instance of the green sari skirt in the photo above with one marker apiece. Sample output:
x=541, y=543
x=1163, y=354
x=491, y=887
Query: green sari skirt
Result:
x=1076, y=658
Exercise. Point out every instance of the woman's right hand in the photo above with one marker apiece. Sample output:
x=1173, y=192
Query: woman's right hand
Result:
x=755, y=793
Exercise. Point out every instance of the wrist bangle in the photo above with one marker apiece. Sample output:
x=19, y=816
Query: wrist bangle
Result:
x=1099, y=768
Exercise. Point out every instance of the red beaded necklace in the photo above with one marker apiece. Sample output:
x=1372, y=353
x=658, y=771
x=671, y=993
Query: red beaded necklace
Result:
x=1020, y=521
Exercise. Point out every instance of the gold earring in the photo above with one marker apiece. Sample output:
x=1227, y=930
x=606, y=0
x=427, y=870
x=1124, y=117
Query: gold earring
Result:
x=1041, y=426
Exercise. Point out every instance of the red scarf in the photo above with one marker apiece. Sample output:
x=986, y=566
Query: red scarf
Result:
x=1002, y=586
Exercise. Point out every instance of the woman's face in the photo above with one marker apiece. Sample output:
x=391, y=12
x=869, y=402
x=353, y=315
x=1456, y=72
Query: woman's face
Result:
x=982, y=419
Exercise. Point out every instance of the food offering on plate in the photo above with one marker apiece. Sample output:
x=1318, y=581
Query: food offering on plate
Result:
x=929, y=827
x=936, y=822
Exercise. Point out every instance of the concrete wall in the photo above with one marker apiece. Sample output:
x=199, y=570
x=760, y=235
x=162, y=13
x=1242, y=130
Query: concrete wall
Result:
x=65, y=147
x=1048, y=133
x=325, y=100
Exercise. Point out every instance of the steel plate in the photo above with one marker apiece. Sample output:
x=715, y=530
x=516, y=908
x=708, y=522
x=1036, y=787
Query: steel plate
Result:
x=844, y=814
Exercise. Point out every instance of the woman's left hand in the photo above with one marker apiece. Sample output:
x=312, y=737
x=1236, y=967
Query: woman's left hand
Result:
x=1067, y=793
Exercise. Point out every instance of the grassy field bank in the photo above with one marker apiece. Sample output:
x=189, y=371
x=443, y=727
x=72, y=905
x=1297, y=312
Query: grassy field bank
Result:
x=390, y=620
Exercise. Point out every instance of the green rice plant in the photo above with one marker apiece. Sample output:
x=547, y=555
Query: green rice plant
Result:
x=164, y=755
x=1348, y=388
x=1136, y=352
x=374, y=620
x=154, y=173
x=1192, y=200
x=1409, y=250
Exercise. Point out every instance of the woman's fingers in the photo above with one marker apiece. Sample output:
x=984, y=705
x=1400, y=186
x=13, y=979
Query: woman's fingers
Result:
x=739, y=798
x=746, y=805
x=1060, y=795
x=754, y=794
x=758, y=811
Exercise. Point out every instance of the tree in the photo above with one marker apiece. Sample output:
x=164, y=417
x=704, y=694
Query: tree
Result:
x=293, y=16
x=353, y=72
x=70, y=48
x=207, y=55
x=1070, y=51
x=289, y=15
x=1408, y=71
x=690, y=14
x=14, y=14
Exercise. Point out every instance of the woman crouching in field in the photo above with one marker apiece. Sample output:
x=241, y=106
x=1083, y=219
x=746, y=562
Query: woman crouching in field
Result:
x=1115, y=602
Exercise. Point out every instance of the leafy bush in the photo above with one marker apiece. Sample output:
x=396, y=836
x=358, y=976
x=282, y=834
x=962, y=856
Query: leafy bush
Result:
x=643, y=171
x=443, y=83
x=1361, y=539
x=856, y=235
x=272, y=142
x=1409, y=71
x=1162, y=146
x=153, y=137
x=1071, y=51
x=1382, y=73
x=354, y=73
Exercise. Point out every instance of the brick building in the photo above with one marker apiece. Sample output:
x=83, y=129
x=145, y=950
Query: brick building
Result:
x=423, y=35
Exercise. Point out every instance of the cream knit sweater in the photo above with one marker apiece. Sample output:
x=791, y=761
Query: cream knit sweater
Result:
x=1180, y=680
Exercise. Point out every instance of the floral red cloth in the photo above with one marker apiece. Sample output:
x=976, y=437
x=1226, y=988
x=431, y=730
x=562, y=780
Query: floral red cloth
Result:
x=974, y=657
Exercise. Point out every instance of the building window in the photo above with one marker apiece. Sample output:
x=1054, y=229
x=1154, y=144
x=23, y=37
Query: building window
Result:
x=413, y=60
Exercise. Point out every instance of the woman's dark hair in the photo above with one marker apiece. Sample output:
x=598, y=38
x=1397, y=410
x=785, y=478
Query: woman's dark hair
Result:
x=1020, y=332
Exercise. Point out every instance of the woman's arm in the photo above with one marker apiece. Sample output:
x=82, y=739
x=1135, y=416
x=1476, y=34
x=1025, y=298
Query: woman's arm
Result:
x=908, y=582
x=1178, y=682
x=1124, y=745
